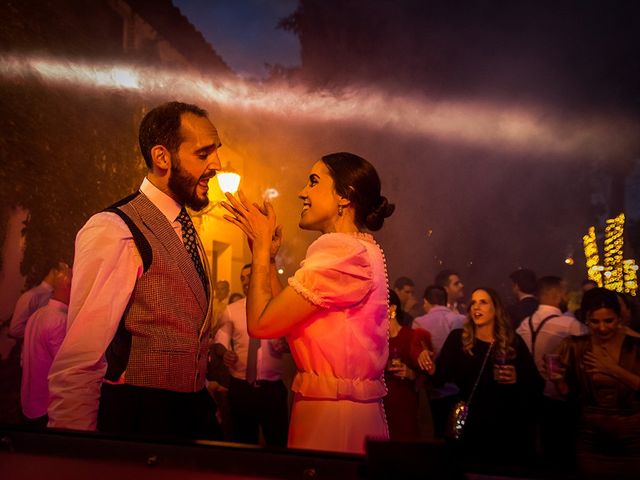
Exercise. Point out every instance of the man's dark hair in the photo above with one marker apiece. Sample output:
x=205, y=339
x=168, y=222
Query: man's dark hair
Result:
x=525, y=280
x=435, y=295
x=402, y=282
x=161, y=126
x=442, y=278
x=548, y=283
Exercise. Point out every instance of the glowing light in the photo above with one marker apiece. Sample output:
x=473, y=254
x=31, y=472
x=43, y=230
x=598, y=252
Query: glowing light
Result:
x=615, y=274
x=569, y=261
x=270, y=194
x=281, y=271
x=494, y=125
x=594, y=271
x=102, y=76
x=630, y=270
x=118, y=77
x=613, y=243
x=228, y=181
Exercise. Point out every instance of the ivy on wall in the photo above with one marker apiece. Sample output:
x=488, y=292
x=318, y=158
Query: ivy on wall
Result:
x=64, y=155
x=65, y=152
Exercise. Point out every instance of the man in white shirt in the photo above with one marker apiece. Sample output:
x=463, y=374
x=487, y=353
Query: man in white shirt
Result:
x=45, y=331
x=33, y=299
x=135, y=354
x=261, y=401
x=543, y=332
x=439, y=321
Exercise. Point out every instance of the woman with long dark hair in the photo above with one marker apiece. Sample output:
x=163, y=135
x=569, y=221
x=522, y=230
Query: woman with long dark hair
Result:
x=602, y=374
x=334, y=310
x=486, y=357
x=405, y=346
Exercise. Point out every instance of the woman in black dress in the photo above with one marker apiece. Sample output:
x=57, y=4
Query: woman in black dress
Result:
x=500, y=425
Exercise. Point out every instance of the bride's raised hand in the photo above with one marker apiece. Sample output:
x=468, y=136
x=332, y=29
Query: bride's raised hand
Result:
x=258, y=223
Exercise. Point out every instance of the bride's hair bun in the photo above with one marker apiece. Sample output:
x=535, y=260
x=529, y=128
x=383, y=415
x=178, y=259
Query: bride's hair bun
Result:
x=357, y=180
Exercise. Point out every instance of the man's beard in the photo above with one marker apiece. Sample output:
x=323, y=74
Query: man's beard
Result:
x=183, y=185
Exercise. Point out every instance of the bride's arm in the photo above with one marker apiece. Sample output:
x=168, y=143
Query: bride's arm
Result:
x=271, y=311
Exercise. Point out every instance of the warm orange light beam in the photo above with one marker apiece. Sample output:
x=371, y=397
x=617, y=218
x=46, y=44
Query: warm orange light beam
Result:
x=476, y=123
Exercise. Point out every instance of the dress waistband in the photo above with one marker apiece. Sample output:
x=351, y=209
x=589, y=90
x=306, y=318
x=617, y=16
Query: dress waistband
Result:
x=310, y=384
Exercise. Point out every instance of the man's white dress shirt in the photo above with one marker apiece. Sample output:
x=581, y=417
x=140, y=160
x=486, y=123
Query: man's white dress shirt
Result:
x=44, y=335
x=233, y=335
x=439, y=322
x=27, y=304
x=106, y=267
x=549, y=337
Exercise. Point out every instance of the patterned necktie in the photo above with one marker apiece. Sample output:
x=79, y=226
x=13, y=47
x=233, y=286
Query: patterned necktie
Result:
x=189, y=238
x=252, y=360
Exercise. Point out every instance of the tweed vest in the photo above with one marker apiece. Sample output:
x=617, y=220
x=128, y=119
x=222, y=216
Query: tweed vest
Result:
x=162, y=339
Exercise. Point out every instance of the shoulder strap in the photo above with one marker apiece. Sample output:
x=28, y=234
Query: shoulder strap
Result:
x=484, y=363
x=535, y=331
x=117, y=353
x=142, y=244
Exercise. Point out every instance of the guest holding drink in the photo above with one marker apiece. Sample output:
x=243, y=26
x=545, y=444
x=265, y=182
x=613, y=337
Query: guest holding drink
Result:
x=405, y=346
x=602, y=374
x=486, y=357
x=334, y=310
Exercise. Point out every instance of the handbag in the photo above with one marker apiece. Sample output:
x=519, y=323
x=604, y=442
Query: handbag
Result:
x=460, y=411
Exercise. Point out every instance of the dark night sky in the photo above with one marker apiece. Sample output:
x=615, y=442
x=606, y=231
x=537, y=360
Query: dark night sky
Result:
x=244, y=32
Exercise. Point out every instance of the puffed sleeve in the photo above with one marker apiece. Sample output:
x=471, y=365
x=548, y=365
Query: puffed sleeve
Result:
x=336, y=272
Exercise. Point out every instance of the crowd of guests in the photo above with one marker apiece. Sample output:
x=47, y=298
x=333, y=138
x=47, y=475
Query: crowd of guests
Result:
x=148, y=342
x=547, y=382
x=542, y=383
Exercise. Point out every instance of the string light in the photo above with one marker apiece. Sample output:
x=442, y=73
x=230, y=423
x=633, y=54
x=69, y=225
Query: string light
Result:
x=592, y=257
x=614, y=273
x=630, y=276
x=613, y=243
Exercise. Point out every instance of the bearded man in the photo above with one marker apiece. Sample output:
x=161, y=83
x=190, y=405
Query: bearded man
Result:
x=135, y=354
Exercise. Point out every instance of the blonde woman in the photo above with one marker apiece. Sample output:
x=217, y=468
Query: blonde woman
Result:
x=500, y=423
